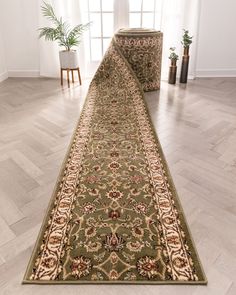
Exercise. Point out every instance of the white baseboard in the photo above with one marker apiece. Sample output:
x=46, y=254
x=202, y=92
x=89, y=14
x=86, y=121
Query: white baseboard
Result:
x=199, y=73
x=3, y=76
x=215, y=73
x=28, y=73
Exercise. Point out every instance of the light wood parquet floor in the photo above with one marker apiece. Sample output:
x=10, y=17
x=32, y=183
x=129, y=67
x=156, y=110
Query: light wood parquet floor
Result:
x=197, y=129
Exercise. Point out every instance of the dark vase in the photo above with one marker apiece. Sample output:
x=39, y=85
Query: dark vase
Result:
x=172, y=72
x=184, y=66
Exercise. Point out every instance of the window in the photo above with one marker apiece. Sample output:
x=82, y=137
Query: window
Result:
x=101, y=16
x=169, y=16
x=145, y=13
x=142, y=13
x=133, y=13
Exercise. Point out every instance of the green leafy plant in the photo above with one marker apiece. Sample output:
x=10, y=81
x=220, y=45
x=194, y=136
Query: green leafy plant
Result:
x=173, y=55
x=186, y=39
x=61, y=31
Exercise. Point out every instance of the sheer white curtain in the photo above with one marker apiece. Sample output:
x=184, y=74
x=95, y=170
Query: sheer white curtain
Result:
x=177, y=15
x=49, y=56
x=171, y=17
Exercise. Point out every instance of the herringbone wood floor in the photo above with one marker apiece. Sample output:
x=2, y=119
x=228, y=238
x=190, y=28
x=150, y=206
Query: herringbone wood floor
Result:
x=197, y=128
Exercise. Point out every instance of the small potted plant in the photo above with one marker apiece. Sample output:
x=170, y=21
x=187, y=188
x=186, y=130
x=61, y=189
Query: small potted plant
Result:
x=186, y=42
x=65, y=36
x=173, y=67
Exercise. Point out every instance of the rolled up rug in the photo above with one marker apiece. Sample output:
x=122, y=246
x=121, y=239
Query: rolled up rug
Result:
x=142, y=49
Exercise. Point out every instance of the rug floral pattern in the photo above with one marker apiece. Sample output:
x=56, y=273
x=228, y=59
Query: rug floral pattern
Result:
x=114, y=216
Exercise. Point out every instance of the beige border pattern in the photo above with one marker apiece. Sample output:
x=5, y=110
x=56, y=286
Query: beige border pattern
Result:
x=165, y=201
x=61, y=213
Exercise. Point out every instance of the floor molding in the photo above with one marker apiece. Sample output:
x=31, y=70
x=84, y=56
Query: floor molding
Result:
x=199, y=73
x=208, y=73
x=216, y=73
x=3, y=76
x=25, y=73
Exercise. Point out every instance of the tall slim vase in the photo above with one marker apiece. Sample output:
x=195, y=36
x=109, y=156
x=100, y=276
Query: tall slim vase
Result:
x=172, y=72
x=184, y=66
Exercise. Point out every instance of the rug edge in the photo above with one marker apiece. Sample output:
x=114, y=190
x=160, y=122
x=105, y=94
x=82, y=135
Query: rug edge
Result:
x=165, y=163
x=53, y=194
x=44, y=282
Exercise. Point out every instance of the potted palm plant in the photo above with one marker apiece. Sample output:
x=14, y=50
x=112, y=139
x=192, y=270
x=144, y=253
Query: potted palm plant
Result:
x=66, y=36
x=173, y=67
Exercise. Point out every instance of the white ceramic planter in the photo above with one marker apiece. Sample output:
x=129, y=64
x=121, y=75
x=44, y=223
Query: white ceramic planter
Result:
x=68, y=59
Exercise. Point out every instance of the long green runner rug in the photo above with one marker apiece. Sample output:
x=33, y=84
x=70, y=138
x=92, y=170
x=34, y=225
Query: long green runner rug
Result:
x=114, y=216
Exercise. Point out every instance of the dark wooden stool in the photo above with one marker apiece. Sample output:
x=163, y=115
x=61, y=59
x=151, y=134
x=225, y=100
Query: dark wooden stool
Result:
x=72, y=75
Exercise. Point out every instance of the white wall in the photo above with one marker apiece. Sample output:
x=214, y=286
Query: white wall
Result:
x=216, y=42
x=20, y=20
x=217, y=38
x=3, y=65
